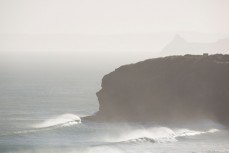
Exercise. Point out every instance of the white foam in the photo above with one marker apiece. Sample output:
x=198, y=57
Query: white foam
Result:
x=187, y=132
x=62, y=120
x=157, y=134
x=213, y=130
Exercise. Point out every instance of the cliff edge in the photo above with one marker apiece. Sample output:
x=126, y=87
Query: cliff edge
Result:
x=174, y=89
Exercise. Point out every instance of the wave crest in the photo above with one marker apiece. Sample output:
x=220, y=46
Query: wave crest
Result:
x=62, y=120
x=158, y=135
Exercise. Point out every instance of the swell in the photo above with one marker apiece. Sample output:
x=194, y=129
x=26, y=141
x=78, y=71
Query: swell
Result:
x=64, y=120
x=158, y=135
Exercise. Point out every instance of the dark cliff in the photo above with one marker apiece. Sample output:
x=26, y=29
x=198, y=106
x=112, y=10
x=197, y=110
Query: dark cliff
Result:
x=173, y=89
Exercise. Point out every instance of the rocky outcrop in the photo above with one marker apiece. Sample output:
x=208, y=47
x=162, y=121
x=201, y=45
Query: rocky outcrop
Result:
x=174, y=89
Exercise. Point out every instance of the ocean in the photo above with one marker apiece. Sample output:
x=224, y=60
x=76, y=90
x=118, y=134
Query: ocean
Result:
x=43, y=115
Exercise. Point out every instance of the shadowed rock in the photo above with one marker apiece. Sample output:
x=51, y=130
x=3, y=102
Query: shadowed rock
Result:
x=170, y=90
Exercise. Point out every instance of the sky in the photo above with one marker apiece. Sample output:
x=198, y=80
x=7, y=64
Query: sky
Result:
x=101, y=17
x=89, y=34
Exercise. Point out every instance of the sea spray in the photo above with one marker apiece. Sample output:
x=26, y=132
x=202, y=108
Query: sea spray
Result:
x=62, y=120
x=153, y=135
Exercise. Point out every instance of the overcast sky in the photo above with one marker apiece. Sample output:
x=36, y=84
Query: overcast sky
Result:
x=89, y=34
x=113, y=16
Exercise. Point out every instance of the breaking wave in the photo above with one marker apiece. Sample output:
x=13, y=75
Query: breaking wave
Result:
x=158, y=135
x=62, y=120
x=187, y=132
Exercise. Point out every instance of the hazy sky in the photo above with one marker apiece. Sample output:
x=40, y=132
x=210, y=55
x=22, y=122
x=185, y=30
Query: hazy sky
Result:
x=90, y=34
x=113, y=17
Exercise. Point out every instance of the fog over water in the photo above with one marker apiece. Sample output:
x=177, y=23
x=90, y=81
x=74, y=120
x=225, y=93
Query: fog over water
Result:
x=54, y=54
x=96, y=34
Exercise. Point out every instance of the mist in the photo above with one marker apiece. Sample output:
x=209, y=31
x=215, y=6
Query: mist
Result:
x=114, y=76
x=79, y=36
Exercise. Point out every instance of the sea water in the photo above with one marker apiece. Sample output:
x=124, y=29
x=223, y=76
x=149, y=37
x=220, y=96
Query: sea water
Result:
x=43, y=115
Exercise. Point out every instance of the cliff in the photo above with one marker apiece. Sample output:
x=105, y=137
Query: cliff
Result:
x=174, y=89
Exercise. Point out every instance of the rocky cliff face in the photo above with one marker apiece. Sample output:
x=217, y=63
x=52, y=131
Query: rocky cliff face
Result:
x=173, y=89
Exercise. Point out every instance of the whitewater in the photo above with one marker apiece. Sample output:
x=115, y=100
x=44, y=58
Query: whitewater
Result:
x=68, y=133
x=47, y=117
